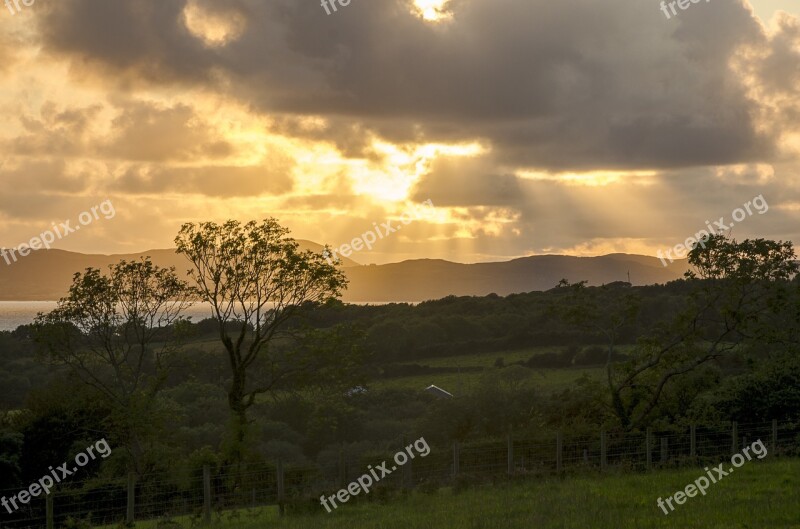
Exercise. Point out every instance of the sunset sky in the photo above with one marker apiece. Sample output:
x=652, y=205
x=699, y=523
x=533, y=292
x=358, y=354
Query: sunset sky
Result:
x=579, y=127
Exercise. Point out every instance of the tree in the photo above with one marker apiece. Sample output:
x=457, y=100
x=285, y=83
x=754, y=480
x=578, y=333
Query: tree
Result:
x=740, y=291
x=254, y=275
x=608, y=312
x=116, y=333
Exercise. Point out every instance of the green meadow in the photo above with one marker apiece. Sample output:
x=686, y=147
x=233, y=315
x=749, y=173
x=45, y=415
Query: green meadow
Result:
x=547, y=380
x=760, y=495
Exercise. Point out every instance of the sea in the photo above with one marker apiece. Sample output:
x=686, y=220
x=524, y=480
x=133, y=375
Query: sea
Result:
x=16, y=313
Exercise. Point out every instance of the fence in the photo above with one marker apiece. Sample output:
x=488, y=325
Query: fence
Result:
x=202, y=495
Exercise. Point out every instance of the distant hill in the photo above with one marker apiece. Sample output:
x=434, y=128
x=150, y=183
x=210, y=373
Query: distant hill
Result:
x=423, y=279
x=47, y=274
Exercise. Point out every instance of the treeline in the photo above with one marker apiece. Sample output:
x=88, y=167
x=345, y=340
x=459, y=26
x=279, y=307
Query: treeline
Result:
x=472, y=324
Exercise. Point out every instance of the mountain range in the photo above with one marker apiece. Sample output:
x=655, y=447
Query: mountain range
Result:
x=45, y=275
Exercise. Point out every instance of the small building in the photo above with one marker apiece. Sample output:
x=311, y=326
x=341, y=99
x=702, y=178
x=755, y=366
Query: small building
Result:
x=439, y=392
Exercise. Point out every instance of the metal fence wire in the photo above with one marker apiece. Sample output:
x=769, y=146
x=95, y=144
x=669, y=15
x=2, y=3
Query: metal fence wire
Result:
x=203, y=494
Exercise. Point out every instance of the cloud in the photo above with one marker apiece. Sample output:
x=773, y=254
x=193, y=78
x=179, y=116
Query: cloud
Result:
x=468, y=182
x=271, y=178
x=56, y=131
x=220, y=100
x=146, y=132
x=555, y=85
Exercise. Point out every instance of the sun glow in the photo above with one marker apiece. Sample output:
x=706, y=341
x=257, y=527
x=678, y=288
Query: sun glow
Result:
x=591, y=178
x=400, y=167
x=432, y=10
x=213, y=29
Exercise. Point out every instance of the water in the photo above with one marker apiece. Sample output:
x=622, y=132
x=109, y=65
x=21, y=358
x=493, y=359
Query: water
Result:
x=16, y=313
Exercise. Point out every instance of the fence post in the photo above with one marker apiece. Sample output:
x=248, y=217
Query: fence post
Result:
x=648, y=448
x=456, y=454
x=664, y=449
x=408, y=477
x=603, y=452
x=510, y=452
x=774, y=435
x=129, y=513
x=734, y=438
x=207, y=494
x=693, y=440
x=279, y=477
x=408, y=474
x=342, y=468
x=559, y=452
x=50, y=516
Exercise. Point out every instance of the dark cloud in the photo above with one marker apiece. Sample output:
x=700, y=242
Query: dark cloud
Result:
x=146, y=39
x=457, y=181
x=351, y=138
x=573, y=84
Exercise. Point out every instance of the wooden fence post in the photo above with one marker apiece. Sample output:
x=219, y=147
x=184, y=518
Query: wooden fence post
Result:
x=129, y=513
x=50, y=515
x=456, y=456
x=280, y=485
x=603, y=450
x=735, y=438
x=649, y=448
x=408, y=474
x=342, y=468
x=693, y=440
x=559, y=452
x=510, y=452
x=774, y=435
x=664, y=449
x=207, y=494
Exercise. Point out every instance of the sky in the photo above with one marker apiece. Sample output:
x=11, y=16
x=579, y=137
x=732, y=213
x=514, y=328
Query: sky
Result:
x=533, y=126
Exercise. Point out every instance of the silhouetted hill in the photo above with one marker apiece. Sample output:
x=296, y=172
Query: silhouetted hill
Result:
x=422, y=279
x=47, y=274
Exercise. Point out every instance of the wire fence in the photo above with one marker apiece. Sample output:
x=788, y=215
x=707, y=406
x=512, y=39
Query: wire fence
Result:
x=195, y=496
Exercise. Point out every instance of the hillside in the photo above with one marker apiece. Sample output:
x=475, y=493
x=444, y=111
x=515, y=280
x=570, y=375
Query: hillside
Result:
x=46, y=274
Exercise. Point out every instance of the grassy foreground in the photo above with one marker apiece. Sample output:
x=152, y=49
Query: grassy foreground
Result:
x=759, y=495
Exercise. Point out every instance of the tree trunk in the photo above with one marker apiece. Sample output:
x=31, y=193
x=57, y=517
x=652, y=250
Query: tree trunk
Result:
x=239, y=423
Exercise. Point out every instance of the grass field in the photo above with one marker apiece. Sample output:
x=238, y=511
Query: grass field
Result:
x=760, y=495
x=545, y=379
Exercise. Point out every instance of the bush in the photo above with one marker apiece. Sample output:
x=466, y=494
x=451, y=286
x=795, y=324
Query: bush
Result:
x=593, y=355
